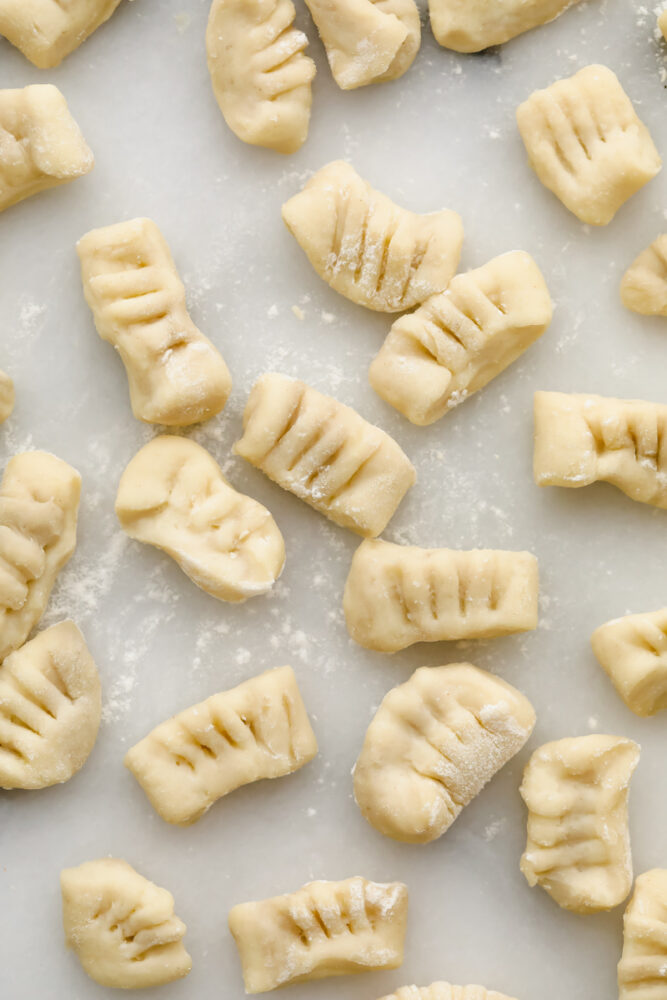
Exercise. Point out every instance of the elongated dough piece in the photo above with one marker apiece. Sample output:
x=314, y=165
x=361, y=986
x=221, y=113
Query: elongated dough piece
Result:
x=473, y=25
x=41, y=146
x=7, y=396
x=121, y=926
x=642, y=971
x=366, y=247
x=324, y=453
x=460, y=339
x=176, y=376
x=633, y=651
x=443, y=991
x=433, y=745
x=173, y=495
x=586, y=143
x=397, y=595
x=662, y=23
x=322, y=929
x=259, y=729
x=39, y=503
x=46, y=31
x=261, y=77
x=644, y=284
x=578, y=845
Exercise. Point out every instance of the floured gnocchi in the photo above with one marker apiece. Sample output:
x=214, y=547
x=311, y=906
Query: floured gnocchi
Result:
x=7, y=396
x=644, y=284
x=633, y=651
x=473, y=25
x=46, y=31
x=443, y=991
x=642, y=971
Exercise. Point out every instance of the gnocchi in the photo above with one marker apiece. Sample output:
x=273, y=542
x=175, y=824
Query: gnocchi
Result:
x=642, y=971
x=633, y=652
x=46, y=31
x=644, y=284
x=473, y=25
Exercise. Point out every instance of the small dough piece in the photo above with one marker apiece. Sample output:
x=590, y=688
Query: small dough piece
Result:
x=474, y=25
x=46, y=31
x=176, y=376
x=322, y=929
x=633, y=651
x=41, y=146
x=7, y=396
x=642, y=971
x=586, y=143
x=644, y=284
x=366, y=247
x=259, y=729
x=121, y=926
x=50, y=707
x=39, y=503
x=578, y=846
x=261, y=77
x=434, y=743
x=397, y=595
x=443, y=991
x=662, y=23
x=173, y=495
x=460, y=339
x=581, y=439
x=324, y=453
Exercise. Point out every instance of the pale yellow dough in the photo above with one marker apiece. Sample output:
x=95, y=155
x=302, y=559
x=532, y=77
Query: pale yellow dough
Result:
x=176, y=375
x=460, y=339
x=41, y=146
x=644, y=284
x=121, y=926
x=7, y=396
x=642, y=971
x=578, y=845
x=443, y=991
x=173, y=495
x=323, y=929
x=46, y=31
x=259, y=729
x=662, y=23
x=473, y=25
x=366, y=247
x=633, y=651
x=586, y=143
x=433, y=745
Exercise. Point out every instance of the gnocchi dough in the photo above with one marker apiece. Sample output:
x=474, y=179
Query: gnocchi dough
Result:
x=397, y=595
x=578, y=845
x=662, y=23
x=460, y=339
x=642, y=971
x=324, y=453
x=443, y=991
x=261, y=77
x=581, y=439
x=176, y=376
x=50, y=708
x=121, y=926
x=433, y=745
x=473, y=25
x=7, y=396
x=367, y=248
x=259, y=729
x=323, y=929
x=644, y=284
x=39, y=502
x=41, y=145
x=633, y=651
x=586, y=143
x=46, y=31
x=173, y=495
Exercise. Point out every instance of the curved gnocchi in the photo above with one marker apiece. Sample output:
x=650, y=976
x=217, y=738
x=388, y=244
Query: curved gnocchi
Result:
x=633, y=652
x=46, y=31
x=642, y=971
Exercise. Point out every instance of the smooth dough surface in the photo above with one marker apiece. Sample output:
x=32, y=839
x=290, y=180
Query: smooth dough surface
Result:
x=46, y=31
x=121, y=926
x=176, y=376
x=460, y=339
x=174, y=496
x=366, y=247
x=324, y=453
x=443, y=991
x=633, y=651
x=7, y=396
x=644, y=284
x=642, y=971
x=41, y=146
x=578, y=845
x=434, y=743
x=662, y=23
x=473, y=25
x=586, y=143
x=259, y=729
x=322, y=929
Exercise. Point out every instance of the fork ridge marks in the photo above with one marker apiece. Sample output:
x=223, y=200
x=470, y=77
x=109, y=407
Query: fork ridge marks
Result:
x=642, y=971
x=633, y=652
x=322, y=929
x=474, y=25
x=433, y=745
x=578, y=843
x=324, y=453
x=176, y=376
x=444, y=991
x=46, y=31
x=644, y=284
x=366, y=247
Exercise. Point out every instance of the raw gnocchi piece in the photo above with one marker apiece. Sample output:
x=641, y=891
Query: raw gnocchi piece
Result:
x=662, y=23
x=460, y=339
x=46, y=31
x=473, y=25
x=397, y=595
x=176, y=376
x=7, y=396
x=173, y=495
x=261, y=77
x=41, y=146
x=586, y=143
x=322, y=929
x=642, y=971
x=324, y=453
x=443, y=991
x=644, y=284
x=633, y=651
x=578, y=846
x=50, y=707
x=434, y=743
x=39, y=503
x=259, y=729
x=367, y=248
x=121, y=926
x=581, y=439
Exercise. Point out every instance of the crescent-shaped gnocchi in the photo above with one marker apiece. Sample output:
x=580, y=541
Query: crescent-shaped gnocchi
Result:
x=46, y=31
x=633, y=652
x=642, y=971
x=443, y=991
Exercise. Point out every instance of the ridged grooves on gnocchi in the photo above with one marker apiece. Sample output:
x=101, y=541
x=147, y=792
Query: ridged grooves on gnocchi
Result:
x=644, y=284
x=633, y=652
x=443, y=991
x=473, y=25
x=642, y=971
x=46, y=31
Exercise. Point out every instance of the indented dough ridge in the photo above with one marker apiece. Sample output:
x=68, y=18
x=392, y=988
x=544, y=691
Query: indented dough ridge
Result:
x=642, y=970
x=633, y=652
